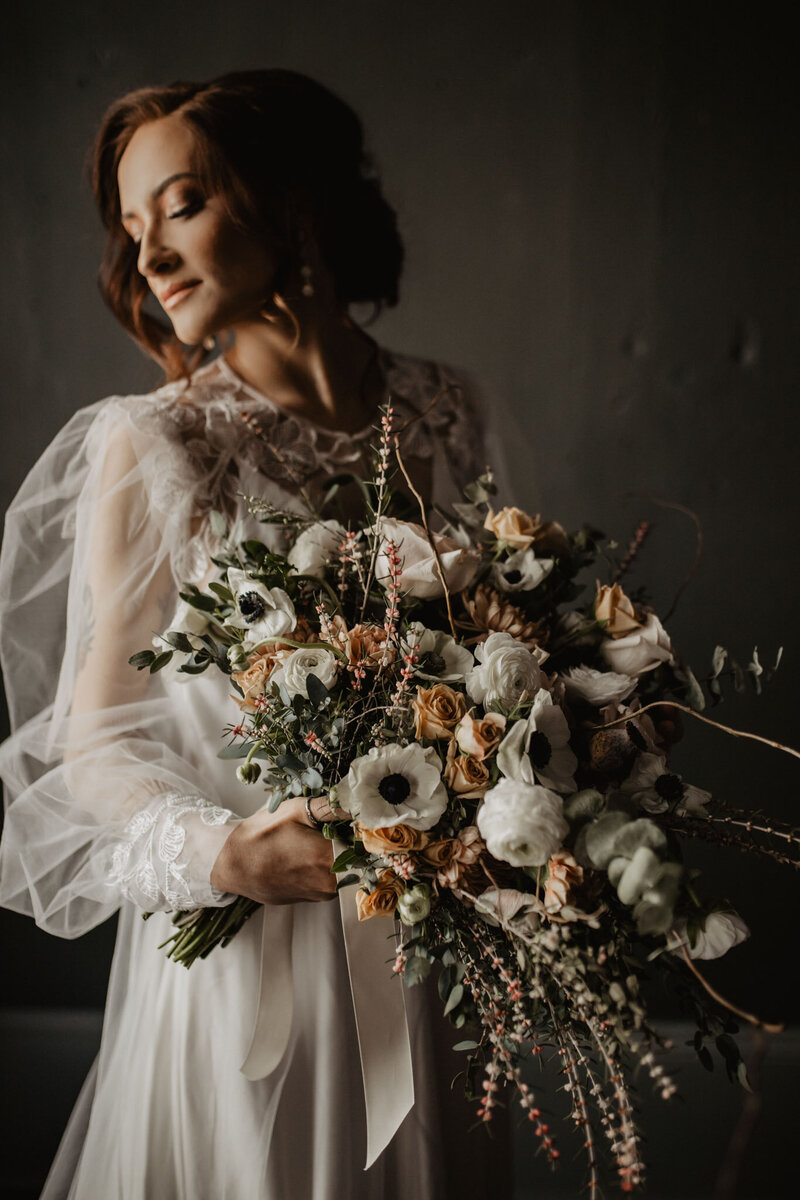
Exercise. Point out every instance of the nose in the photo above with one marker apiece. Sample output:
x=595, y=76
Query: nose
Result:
x=154, y=254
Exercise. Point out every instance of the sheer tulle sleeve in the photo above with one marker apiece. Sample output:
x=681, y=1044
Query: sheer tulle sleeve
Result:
x=105, y=799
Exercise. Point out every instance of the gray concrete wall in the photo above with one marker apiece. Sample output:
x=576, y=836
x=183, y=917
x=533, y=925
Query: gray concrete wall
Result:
x=599, y=206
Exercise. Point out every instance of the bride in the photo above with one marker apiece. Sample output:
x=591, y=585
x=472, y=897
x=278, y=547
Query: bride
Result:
x=247, y=211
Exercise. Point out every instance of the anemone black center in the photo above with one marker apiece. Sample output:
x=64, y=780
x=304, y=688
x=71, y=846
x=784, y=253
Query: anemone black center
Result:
x=669, y=787
x=513, y=576
x=539, y=751
x=394, y=788
x=252, y=606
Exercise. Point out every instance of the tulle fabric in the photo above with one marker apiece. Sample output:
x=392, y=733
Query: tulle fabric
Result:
x=116, y=799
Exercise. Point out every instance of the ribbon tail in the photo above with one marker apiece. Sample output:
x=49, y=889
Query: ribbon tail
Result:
x=273, y=1021
x=381, y=1024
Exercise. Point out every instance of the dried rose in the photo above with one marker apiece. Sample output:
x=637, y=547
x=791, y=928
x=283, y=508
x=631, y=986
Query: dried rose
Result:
x=481, y=736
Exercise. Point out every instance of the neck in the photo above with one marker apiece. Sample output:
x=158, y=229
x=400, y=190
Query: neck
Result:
x=331, y=375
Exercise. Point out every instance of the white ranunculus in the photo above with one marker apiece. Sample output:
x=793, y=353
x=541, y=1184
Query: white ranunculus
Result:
x=419, y=575
x=457, y=661
x=293, y=673
x=522, y=571
x=721, y=931
x=262, y=612
x=505, y=670
x=314, y=548
x=597, y=687
x=537, y=750
x=639, y=651
x=522, y=824
x=394, y=785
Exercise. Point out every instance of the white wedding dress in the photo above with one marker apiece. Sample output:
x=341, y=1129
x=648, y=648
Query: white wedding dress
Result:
x=116, y=799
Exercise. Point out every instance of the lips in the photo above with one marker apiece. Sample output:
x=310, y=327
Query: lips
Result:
x=177, y=291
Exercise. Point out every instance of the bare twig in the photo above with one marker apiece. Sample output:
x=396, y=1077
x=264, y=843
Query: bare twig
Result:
x=739, y=1012
x=428, y=534
x=698, y=553
x=693, y=713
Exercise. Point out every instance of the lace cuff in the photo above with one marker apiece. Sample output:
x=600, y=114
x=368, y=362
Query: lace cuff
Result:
x=164, y=860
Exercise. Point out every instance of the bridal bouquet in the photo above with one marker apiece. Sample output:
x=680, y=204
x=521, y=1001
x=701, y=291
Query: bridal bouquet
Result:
x=498, y=757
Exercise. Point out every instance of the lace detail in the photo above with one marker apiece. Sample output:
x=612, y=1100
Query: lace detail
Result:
x=210, y=454
x=159, y=863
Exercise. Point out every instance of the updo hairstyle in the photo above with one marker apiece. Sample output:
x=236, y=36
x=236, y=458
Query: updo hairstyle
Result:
x=272, y=143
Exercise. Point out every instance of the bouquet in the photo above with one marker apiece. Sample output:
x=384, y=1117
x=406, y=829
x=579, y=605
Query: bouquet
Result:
x=497, y=752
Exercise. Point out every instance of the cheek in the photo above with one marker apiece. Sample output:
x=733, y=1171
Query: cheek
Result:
x=238, y=263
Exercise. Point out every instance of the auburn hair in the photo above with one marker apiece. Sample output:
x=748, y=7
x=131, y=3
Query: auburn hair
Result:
x=265, y=141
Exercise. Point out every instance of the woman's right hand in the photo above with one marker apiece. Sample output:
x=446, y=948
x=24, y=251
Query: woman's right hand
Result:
x=276, y=858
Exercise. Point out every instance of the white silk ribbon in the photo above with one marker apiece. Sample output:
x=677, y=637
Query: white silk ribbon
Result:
x=378, y=1007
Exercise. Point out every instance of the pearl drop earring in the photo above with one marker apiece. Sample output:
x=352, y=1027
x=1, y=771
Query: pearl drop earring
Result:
x=306, y=271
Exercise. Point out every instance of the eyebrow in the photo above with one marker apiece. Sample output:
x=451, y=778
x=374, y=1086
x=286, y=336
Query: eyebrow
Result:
x=162, y=187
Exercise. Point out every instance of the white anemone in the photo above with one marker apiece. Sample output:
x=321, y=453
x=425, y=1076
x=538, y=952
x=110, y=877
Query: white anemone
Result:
x=263, y=612
x=394, y=785
x=537, y=749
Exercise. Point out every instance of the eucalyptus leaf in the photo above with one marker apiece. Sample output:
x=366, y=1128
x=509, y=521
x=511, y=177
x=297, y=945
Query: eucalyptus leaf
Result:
x=454, y=998
x=317, y=692
x=160, y=661
x=178, y=641
x=142, y=659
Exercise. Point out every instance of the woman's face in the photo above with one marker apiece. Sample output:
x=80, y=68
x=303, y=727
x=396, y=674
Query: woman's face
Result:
x=207, y=274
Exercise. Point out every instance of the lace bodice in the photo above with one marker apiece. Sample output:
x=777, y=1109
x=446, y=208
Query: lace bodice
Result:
x=112, y=793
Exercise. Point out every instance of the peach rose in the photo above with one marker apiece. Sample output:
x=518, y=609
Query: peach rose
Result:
x=564, y=877
x=614, y=607
x=383, y=900
x=512, y=526
x=437, y=710
x=392, y=839
x=465, y=775
x=366, y=644
x=481, y=737
x=253, y=680
x=462, y=854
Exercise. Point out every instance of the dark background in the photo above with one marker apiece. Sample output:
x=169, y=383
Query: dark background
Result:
x=598, y=202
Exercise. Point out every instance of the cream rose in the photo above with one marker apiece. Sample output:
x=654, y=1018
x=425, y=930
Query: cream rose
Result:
x=315, y=547
x=640, y=651
x=505, y=670
x=419, y=574
x=480, y=736
x=615, y=610
x=437, y=710
x=512, y=526
x=522, y=824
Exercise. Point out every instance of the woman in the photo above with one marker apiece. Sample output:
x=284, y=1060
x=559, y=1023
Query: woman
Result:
x=248, y=210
